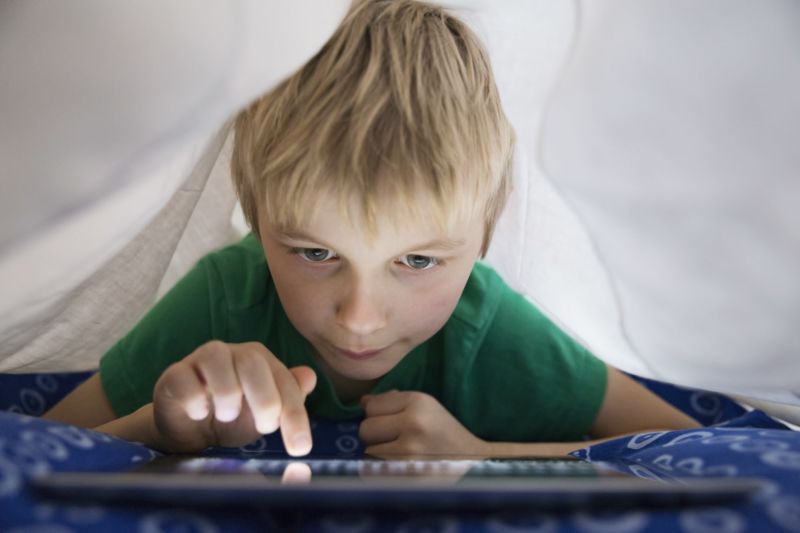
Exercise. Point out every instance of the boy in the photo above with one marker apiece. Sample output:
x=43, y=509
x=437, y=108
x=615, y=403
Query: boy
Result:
x=372, y=180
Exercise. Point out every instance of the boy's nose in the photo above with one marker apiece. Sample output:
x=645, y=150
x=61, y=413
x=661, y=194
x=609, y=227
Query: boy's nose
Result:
x=360, y=313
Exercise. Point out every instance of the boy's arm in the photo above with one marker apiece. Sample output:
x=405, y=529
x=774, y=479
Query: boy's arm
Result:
x=628, y=408
x=86, y=406
x=413, y=423
x=215, y=396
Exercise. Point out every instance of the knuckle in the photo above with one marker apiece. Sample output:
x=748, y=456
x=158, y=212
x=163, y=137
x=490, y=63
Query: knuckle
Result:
x=420, y=399
x=277, y=365
x=249, y=359
x=284, y=380
x=214, y=348
x=211, y=356
x=170, y=379
x=293, y=412
x=414, y=424
x=256, y=348
x=174, y=370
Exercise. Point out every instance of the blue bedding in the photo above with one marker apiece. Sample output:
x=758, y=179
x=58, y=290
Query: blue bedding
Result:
x=735, y=444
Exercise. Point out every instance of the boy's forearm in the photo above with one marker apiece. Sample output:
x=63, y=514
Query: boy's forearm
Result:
x=86, y=406
x=138, y=426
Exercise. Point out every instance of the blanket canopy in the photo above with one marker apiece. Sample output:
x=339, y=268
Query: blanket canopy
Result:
x=653, y=215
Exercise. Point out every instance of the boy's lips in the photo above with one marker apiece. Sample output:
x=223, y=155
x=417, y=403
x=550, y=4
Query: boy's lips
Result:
x=359, y=355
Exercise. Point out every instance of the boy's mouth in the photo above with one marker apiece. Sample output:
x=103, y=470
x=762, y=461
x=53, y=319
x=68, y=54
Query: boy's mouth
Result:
x=359, y=355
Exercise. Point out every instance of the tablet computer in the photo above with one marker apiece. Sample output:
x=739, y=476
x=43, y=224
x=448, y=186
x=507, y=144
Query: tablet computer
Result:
x=419, y=483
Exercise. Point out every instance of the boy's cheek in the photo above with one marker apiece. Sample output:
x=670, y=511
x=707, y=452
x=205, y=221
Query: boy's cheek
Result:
x=429, y=310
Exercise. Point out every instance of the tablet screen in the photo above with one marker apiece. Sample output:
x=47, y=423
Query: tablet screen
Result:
x=459, y=483
x=366, y=469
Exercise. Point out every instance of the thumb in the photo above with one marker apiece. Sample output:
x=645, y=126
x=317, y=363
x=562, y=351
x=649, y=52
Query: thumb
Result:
x=305, y=377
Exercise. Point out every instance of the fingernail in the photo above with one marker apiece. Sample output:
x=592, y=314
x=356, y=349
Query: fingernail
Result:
x=266, y=427
x=302, y=442
x=227, y=413
x=197, y=410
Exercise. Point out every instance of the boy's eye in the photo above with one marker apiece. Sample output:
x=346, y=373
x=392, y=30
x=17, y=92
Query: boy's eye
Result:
x=315, y=255
x=419, y=262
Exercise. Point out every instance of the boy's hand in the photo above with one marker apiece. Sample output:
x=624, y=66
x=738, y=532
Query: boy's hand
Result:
x=229, y=395
x=413, y=424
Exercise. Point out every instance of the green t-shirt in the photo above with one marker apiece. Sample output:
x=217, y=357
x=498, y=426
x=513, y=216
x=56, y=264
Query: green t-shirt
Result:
x=498, y=365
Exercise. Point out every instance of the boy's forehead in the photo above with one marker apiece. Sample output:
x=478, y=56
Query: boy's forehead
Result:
x=329, y=228
x=395, y=229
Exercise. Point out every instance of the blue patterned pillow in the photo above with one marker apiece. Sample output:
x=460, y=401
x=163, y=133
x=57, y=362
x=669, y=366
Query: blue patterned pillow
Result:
x=34, y=394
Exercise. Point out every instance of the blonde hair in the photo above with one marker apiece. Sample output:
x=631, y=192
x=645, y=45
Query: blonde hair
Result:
x=398, y=112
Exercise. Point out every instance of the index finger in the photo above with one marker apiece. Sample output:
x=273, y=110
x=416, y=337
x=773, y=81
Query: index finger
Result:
x=295, y=426
x=258, y=386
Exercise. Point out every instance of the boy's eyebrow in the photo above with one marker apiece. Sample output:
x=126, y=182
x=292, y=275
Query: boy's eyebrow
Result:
x=296, y=235
x=443, y=244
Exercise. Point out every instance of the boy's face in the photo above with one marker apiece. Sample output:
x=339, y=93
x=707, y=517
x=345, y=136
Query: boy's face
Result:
x=364, y=303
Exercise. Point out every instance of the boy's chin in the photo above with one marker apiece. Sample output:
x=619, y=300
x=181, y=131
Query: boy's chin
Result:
x=361, y=370
x=363, y=373
x=366, y=370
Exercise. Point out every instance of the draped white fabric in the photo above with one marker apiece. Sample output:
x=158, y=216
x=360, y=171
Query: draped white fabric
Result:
x=112, y=115
x=675, y=134
x=653, y=214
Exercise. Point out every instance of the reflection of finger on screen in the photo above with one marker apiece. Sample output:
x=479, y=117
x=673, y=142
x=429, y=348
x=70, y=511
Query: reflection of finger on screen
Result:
x=441, y=471
x=296, y=474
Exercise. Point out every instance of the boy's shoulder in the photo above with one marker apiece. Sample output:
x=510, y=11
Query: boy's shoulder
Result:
x=247, y=249
x=483, y=294
x=487, y=299
x=240, y=272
